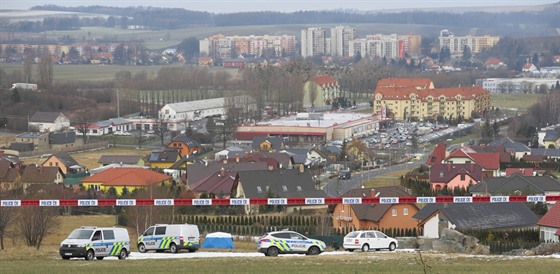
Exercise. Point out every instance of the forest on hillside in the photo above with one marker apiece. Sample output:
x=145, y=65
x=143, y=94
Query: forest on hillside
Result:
x=517, y=23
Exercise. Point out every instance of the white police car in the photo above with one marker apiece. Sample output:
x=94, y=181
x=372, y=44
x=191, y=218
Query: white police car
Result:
x=289, y=242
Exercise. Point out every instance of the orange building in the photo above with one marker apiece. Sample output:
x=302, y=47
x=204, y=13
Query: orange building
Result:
x=185, y=145
x=348, y=217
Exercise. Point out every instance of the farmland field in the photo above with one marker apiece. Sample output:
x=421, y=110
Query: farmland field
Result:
x=520, y=102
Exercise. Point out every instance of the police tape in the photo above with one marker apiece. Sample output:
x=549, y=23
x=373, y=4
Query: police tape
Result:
x=282, y=201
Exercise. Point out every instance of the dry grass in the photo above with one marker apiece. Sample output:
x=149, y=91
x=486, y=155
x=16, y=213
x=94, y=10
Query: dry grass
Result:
x=389, y=179
x=89, y=159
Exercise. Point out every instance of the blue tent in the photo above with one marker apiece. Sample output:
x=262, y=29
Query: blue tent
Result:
x=218, y=240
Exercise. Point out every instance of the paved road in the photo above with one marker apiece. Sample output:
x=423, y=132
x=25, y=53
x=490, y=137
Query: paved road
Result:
x=336, y=187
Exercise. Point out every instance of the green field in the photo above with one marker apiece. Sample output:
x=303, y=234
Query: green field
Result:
x=519, y=102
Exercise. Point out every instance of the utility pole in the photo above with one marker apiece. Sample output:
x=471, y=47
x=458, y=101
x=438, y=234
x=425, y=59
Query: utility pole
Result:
x=118, y=106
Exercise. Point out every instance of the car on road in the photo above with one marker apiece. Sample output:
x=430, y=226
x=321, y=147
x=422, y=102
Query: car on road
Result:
x=289, y=242
x=345, y=175
x=366, y=240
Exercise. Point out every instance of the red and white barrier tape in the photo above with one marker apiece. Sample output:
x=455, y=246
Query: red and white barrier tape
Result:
x=280, y=201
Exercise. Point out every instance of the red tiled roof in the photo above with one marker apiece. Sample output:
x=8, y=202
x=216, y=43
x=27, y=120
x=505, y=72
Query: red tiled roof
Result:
x=492, y=61
x=552, y=217
x=324, y=79
x=488, y=161
x=127, y=177
x=443, y=173
x=437, y=155
x=522, y=171
x=423, y=83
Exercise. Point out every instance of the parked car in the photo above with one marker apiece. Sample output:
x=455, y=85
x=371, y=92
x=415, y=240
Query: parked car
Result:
x=367, y=240
x=345, y=175
x=163, y=237
x=289, y=242
x=91, y=242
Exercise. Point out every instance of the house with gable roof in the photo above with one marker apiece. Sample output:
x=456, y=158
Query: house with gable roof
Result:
x=65, y=162
x=219, y=184
x=185, y=145
x=549, y=225
x=9, y=174
x=488, y=161
x=438, y=154
x=268, y=143
x=517, y=184
x=433, y=218
x=279, y=183
x=129, y=178
x=516, y=149
x=121, y=159
x=41, y=175
x=320, y=90
x=163, y=158
x=451, y=176
x=494, y=63
x=349, y=217
x=48, y=121
x=111, y=126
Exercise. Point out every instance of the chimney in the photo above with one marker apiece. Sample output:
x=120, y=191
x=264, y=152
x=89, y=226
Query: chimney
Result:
x=237, y=158
x=270, y=167
x=301, y=168
x=222, y=172
x=372, y=192
x=448, y=167
x=224, y=161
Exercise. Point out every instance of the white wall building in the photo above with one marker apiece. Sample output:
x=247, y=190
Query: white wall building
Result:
x=515, y=85
x=456, y=44
x=340, y=40
x=313, y=42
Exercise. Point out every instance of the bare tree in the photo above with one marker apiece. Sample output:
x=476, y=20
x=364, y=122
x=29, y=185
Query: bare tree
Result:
x=36, y=222
x=84, y=119
x=45, y=68
x=27, y=65
x=7, y=215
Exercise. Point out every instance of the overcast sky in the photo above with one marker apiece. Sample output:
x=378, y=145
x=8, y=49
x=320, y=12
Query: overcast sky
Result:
x=222, y=6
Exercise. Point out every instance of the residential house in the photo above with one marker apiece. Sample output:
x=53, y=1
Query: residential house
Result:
x=494, y=63
x=30, y=141
x=197, y=172
x=529, y=67
x=549, y=225
x=65, y=162
x=122, y=159
x=551, y=139
x=516, y=149
x=349, y=217
x=219, y=184
x=48, y=121
x=9, y=174
x=520, y=170
x=433, y=218
x=438, y=155
x=266, y=143
x=185, y=145
x=62, y=140
x=164, y=158
x=279, y=183
x=229, y=152
x=552, y=154
x=41, y=175
x=451, y=176
x=320, y=90
x=488, y=161
x=517, y=184
x=129, y=178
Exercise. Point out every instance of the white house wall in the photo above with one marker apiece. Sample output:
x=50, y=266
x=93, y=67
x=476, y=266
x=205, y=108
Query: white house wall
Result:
x=431, y=227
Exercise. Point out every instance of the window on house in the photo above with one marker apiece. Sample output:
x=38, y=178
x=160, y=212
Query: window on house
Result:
x=394, y=212
x=50, y=164
x=285, y=189
x=405, y=211
x=259, y=189
x=298, y=188
x=462, y=177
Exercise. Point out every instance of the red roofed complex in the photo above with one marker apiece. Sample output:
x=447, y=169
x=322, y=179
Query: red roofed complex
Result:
x=411, y=97
x=120, y=178
x=550, y=225
x=320, y=90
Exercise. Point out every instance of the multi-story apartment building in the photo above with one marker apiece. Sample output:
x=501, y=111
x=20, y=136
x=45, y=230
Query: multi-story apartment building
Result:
x=516, y=85
x=392, y=46
x=456, y=44
x=340, y=40
x=313, y=42
x=222, y=46
x=404, y=98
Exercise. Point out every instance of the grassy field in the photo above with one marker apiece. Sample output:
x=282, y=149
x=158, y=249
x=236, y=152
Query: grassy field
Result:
x=514, y=101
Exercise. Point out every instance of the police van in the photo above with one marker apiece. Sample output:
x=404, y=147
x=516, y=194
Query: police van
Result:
x=162, y=237
x=96, y=242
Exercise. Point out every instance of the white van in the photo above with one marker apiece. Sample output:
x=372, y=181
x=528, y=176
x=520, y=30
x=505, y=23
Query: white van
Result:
x=96, y=242
x=161, y=237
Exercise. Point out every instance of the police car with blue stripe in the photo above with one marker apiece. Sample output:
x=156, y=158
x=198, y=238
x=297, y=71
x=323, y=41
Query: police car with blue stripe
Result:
x=289, y=242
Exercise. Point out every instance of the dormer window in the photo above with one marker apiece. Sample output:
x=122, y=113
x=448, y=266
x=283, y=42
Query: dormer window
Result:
x=285, y=189
x=259, y=189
